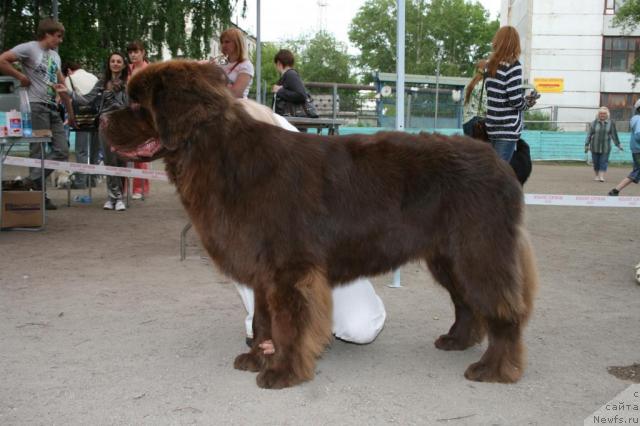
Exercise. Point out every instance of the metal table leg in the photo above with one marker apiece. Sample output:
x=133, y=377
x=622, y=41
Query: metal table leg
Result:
x=183, y=242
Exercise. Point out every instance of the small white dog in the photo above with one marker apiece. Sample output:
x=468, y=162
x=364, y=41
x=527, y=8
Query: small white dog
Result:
x=61, y=178
x=638, y=273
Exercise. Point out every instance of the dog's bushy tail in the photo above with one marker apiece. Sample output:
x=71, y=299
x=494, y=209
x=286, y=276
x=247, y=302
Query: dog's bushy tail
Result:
x=528, y=272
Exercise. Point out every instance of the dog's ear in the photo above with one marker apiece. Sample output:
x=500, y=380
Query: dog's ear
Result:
x=185, y=95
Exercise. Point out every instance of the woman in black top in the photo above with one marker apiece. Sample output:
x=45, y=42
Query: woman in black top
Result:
x=290, y=91
x=111, y=94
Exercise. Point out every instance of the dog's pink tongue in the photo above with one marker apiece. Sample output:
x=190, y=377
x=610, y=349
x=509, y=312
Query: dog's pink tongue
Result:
x=146, y=150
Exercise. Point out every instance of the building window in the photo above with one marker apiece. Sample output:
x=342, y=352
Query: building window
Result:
x=619, y=53
x=620, y=106
x=611, y=6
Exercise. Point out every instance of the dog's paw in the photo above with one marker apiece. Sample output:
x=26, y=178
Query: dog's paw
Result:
x=638, y=273
x=276, y=379
x=247, y=362
x=486, y=372
x=447, y=342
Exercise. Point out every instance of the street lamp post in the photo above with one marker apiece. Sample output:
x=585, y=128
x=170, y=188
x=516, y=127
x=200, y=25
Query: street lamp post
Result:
x=439, y=58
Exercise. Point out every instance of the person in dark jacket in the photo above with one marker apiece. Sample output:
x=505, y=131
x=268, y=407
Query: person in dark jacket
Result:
x=289, y=91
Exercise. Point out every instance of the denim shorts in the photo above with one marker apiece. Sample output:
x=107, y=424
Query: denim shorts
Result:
x=635, y=173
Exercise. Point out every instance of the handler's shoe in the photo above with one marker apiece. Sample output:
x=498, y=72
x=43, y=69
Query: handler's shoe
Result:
x=48, y=204
x=108, y=205
x=120, y=207
x=613, y=193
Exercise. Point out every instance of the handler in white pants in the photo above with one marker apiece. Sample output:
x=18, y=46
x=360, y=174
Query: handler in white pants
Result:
x=358, y=312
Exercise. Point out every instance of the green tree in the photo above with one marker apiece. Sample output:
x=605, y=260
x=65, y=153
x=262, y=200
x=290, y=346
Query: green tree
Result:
x=463, y=28
x=318, y=58
x=628, y=18
x=322, y=58
x=96, y=27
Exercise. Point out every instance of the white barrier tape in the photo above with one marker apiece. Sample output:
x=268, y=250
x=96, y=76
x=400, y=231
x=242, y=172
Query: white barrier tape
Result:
x=90, y=169
x=581, y=200
x=530, y=199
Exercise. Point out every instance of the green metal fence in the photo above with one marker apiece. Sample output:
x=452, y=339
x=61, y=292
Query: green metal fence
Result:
x=545, y=145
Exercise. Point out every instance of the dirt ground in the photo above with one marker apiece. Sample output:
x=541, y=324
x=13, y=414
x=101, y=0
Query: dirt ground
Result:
x=102, y=324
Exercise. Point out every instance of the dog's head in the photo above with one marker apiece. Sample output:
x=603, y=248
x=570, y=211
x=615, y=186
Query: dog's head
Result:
x=169, y=103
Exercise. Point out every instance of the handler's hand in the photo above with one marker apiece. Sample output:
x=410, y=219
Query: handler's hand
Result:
x=24, y=81
x=267, y=347
x=60, y=88
x=275, y=88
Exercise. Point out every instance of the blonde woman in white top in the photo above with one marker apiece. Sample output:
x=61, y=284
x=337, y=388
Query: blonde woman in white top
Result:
x=239, y=69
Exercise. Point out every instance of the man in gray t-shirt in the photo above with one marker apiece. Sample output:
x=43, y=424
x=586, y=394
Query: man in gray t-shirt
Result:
x=40, y=70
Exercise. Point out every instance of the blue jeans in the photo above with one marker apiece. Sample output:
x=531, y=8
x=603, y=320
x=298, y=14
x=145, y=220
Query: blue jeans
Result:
x=600, y=161
x=504, y=148
x=44, y=117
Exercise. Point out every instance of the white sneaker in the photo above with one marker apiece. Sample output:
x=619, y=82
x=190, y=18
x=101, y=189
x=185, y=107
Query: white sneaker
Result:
x=108, y=205
x=137, y=196
x=120, y=207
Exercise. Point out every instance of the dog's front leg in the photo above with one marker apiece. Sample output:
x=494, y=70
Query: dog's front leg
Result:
x=254, y=359
x=300, y=312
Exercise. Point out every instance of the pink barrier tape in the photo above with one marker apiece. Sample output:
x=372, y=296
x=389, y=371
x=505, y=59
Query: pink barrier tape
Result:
x=90, y=169
x=581, y=200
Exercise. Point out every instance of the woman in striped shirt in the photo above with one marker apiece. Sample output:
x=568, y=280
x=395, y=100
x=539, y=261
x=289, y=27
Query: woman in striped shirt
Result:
x=505, y=96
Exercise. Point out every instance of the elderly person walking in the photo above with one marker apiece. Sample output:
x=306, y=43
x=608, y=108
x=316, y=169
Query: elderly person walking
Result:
x=599, y=138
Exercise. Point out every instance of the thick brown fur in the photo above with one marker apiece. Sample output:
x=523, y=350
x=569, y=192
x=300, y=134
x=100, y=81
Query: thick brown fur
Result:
x=292, y=214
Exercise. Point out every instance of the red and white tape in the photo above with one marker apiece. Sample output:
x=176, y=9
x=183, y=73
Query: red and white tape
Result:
x=90, y=169
x=581, y=200
x=530, y=199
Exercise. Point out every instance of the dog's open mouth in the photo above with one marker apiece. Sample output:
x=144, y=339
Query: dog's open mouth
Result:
x=147, y=151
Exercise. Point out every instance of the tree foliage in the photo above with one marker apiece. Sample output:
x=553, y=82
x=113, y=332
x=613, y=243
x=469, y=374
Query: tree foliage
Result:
x=319, y=57
x=94, y=28
x=322, y=58
x=628, y=18
x=628, y=15
x=463, y=28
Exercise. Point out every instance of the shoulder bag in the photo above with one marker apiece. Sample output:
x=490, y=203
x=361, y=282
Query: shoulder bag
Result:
x=479, y=129
x=87, y=116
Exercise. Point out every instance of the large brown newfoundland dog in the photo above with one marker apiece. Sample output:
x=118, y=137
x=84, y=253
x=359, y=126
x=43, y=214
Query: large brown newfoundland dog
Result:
x=293, y=214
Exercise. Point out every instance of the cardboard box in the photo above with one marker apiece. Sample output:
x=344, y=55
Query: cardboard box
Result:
x=21, y=209
x=42, y=133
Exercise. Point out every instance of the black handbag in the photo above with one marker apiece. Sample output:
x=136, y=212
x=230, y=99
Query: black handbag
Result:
x=87, y=116
x=309, y=107
x=289, y=109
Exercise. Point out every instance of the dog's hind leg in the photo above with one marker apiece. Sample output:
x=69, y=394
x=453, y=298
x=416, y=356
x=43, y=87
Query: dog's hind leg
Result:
x=468, y=328
x=300, y=312
x=505, y=302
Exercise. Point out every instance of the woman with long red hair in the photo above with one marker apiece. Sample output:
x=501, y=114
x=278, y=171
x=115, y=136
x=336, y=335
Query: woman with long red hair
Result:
x=506, y=102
